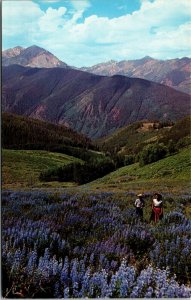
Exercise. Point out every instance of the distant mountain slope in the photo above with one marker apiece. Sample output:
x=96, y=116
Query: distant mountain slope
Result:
x=132, y=138
x=174, y=72
x=23, y=132
x=33, y=56
x=90, y=104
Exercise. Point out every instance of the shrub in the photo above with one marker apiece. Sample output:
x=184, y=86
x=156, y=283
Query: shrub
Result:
x=152, y=153
x=129, y=159
x=172, y=147
x=185, y=141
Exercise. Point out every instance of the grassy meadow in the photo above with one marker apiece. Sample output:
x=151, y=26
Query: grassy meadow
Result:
x=21, y=168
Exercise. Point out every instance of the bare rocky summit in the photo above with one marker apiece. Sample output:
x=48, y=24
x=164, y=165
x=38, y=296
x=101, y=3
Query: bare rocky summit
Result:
x=33, y=56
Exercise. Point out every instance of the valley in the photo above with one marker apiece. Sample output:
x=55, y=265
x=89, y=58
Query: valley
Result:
x=24, y=161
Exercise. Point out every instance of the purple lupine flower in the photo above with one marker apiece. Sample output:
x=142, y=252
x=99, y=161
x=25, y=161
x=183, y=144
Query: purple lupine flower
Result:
x=57, y=293
x=32, y=262
x=74, y=270
x=67, y=292
x=85, y=283
x=75, y=287
x=124, y=287
x=17, y=259
x=65, y=271
x=149, y=292
x=44, y=264
x=55, y=266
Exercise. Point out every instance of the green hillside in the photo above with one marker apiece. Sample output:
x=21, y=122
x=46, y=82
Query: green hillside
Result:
x=21, y=168
x=131, y=139
x=171, y=174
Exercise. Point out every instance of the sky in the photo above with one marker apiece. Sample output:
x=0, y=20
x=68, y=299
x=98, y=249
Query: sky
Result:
x=88, y=32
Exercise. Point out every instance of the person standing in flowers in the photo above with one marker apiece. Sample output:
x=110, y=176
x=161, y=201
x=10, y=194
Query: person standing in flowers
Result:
x=157, y=208
x=139, y=204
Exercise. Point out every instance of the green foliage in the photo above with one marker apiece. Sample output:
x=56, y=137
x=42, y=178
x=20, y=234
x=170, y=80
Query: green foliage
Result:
x=129, y=159
x=63, y=173
x=119, y=160
x=81, y=153
x=172, y=147
x=185, y=141
x=80, y=173
x=180, y=130
x=152, y=153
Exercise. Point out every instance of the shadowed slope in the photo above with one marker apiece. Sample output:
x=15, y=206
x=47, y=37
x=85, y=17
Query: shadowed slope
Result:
x=93, y=105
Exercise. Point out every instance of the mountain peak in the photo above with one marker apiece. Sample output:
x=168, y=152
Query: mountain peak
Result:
x=18, y=48
x=33, y=56
x=36, y=48
x=147, y=57
x=11, y=52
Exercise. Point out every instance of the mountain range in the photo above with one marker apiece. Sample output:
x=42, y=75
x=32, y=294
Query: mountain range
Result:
x=91, y=104
x=174, y=72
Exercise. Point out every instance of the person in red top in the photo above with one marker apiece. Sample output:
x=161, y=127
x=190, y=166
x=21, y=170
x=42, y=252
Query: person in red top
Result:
x=157, y=208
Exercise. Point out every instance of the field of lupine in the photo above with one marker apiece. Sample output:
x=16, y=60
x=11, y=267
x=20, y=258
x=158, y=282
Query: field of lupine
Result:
x=92, y=245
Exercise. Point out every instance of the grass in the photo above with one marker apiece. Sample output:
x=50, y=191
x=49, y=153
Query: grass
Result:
x=21, y=168
x=171, y=174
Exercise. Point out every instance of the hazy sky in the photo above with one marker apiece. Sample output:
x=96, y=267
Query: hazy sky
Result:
x=87, y=32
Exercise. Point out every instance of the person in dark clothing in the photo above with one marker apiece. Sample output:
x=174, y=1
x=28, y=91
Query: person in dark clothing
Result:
x=139, y=204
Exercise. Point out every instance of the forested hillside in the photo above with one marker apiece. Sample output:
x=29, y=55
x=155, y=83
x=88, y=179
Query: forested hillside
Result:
x=19, y=132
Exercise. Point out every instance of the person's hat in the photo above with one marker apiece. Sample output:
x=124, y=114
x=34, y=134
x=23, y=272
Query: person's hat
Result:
x=140, y=195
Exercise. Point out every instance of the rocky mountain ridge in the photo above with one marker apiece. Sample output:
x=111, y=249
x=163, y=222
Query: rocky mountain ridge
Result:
x=173, y=72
